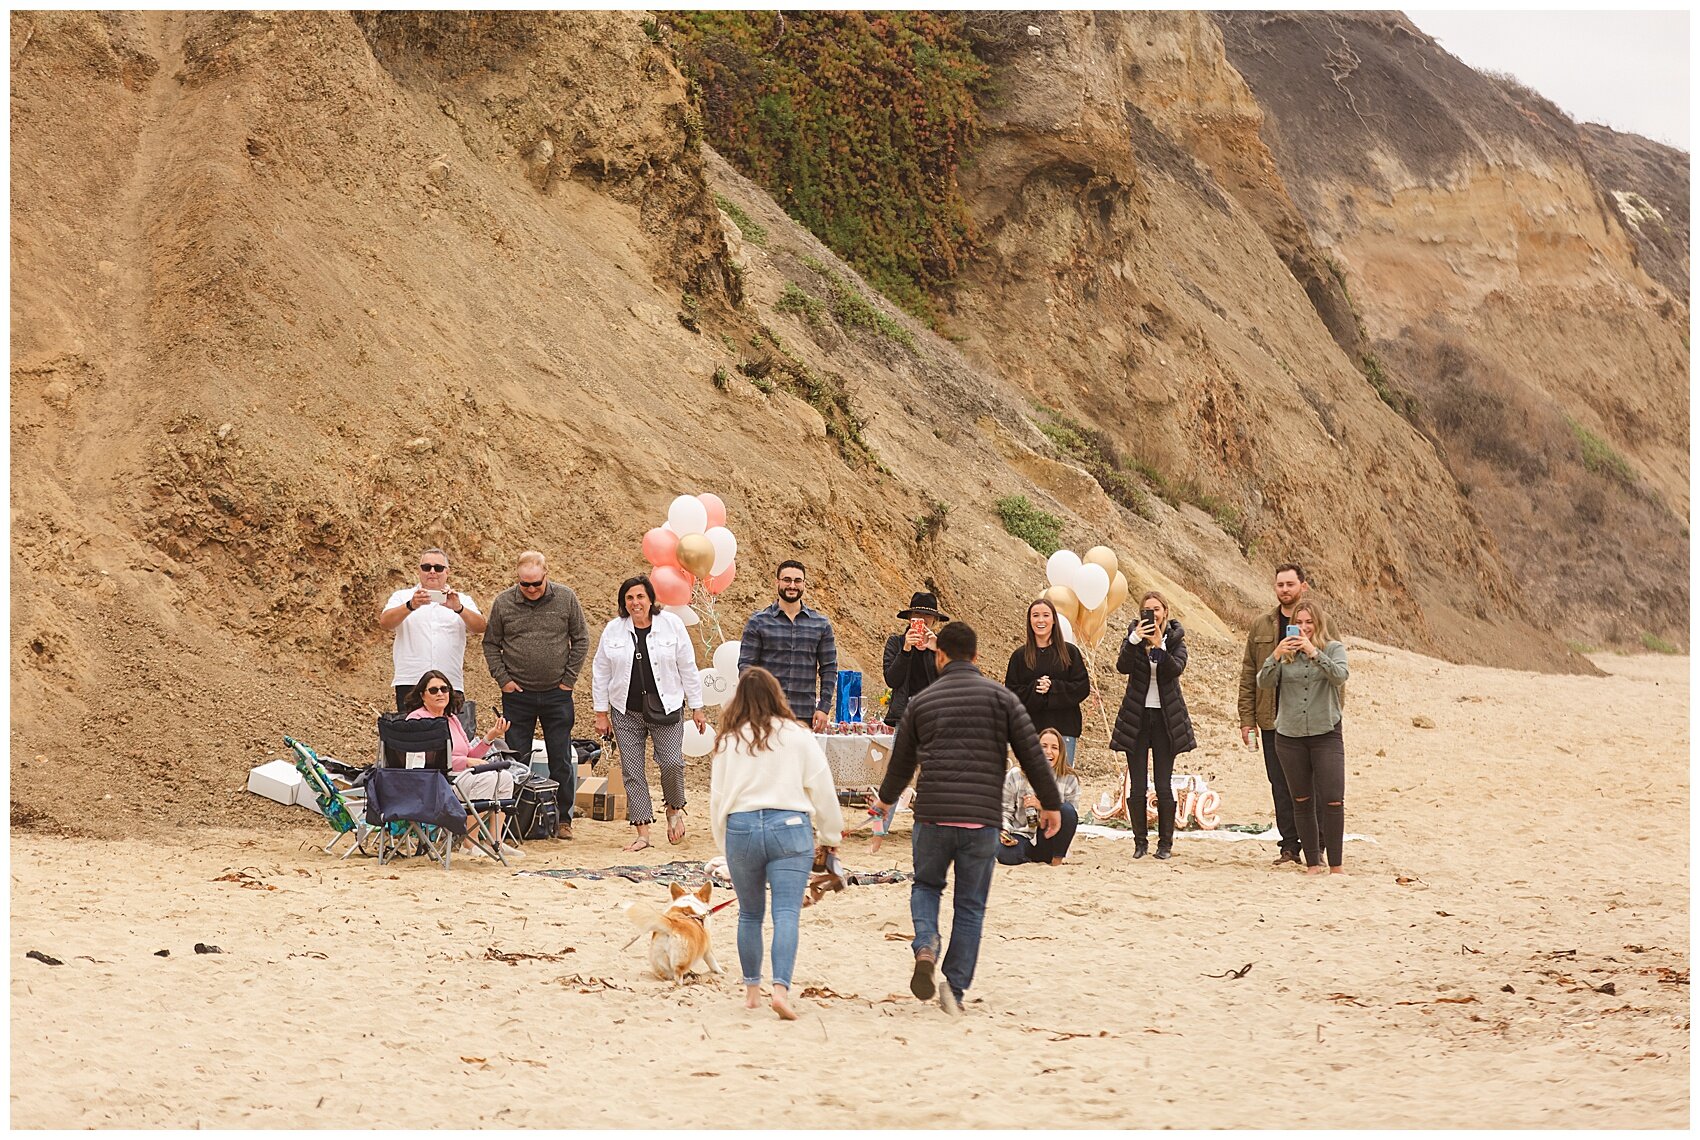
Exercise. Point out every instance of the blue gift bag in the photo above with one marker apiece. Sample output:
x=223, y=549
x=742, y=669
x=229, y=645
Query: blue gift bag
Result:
x=849, y=689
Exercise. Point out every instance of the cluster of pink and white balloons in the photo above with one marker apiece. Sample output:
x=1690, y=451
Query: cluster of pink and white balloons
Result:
x=692, y=544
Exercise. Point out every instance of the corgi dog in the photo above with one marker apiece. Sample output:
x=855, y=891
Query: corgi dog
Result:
x=678, y=936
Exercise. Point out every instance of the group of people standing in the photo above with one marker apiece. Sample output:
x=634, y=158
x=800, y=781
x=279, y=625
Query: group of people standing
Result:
x=773, y=808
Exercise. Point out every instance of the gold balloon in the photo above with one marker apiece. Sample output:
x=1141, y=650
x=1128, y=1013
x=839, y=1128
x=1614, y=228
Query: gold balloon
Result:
x=1066, y=603
x=1090, y=629
x=696, y=554
x=1118, y=593
x=1102, y=556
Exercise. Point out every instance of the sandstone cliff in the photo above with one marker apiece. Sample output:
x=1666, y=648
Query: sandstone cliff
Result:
x=295, y=294
x=1522, y=279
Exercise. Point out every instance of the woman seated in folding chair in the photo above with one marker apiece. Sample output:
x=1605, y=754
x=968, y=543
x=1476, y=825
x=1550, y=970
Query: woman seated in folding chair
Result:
x=434, y=696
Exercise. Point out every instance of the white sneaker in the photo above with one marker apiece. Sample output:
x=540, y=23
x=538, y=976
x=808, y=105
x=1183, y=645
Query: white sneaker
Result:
x=512, y=852
x=948, y=1002
x=469, y=853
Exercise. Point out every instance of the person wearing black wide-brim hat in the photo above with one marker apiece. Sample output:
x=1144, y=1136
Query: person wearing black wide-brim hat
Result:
x=909, y=662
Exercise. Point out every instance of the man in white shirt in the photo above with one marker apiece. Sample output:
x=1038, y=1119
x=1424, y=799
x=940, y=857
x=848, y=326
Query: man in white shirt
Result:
x=430, y=622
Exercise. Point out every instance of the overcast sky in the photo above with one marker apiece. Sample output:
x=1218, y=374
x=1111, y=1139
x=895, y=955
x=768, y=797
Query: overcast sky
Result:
x=1628, y=70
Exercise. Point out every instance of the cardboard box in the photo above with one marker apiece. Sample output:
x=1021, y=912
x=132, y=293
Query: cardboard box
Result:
x=278, y=780
x=600, y=798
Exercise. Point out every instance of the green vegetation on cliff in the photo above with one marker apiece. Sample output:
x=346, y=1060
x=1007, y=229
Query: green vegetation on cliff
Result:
x=855, y=122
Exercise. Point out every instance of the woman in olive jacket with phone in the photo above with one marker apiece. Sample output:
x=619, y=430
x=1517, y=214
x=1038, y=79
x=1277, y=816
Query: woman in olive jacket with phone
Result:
x=1153, y=719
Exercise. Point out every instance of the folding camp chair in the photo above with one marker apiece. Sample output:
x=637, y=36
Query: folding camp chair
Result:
x=421, y=800
x=415, y=745
x=343, y=809
x=484, y=833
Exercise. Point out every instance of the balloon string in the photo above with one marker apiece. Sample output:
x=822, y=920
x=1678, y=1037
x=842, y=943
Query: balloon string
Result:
x=1103, y=716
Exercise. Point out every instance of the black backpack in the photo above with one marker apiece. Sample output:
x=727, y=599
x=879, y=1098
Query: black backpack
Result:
x=537, y=809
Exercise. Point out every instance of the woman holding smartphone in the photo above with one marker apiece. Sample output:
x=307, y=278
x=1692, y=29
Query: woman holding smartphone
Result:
x=1049, y=676
x=1308, y=673
x=1153, y=720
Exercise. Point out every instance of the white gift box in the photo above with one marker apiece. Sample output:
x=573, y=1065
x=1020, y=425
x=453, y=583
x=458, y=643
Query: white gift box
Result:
x=278, y=780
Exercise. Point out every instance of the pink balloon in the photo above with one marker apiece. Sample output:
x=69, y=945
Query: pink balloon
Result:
x=672, y=585
x=715, y=508
x=720, y=581
x=661, y=547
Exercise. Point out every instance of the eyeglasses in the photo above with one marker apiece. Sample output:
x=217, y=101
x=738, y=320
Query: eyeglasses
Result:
x=790, y=581
x=439, y=689
x=524, y=585
x=432, y=567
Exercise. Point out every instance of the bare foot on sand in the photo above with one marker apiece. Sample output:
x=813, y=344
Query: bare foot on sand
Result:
x=752, y=997
x=1336, y=870
x=782, y=1003
x=1316, y=870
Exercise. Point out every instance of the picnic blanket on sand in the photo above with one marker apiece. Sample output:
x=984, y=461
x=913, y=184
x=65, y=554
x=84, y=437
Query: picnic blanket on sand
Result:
x=693, y=873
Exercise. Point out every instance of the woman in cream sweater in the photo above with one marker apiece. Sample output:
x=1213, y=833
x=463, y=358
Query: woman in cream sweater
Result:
x=769, y=776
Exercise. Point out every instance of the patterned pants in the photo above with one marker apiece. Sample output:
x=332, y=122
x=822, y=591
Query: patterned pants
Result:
x=630, y=731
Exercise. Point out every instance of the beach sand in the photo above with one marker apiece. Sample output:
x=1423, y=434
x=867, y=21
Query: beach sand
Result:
x=1530, y=851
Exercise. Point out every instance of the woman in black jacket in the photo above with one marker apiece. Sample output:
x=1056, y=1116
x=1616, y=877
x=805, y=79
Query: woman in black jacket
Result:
x=1153, y=718
x=1049, y=676
x=909, y=661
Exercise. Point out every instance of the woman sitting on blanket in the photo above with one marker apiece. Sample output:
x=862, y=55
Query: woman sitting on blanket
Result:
x=433, y=696
x=1021, y=841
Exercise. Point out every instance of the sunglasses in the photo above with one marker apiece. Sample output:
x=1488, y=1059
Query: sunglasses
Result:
x=524, y=585
x=432, y=567
x=439, y=689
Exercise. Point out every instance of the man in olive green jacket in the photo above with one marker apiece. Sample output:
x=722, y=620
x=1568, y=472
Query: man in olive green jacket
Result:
x=1257, y=706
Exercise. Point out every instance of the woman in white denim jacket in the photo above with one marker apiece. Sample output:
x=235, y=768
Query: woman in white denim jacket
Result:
x=645, y=654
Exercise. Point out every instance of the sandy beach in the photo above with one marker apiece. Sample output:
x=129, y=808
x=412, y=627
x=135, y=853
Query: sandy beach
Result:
x=1505, y=953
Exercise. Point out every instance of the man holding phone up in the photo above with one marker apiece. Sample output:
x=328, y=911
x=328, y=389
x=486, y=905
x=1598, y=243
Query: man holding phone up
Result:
x=1257, y=706
x=430, y=622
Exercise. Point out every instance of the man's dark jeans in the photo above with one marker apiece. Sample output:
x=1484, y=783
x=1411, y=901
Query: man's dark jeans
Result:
x=1285, y=821
x=554, y=708
x=973, y=852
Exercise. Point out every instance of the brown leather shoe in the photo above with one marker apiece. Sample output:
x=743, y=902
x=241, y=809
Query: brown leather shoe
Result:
x=564, y=830
x=1286, y=857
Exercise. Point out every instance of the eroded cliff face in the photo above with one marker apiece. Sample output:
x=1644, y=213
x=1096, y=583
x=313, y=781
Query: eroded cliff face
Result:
x=296, y=295
x=1164, y=300
x=1513, y=276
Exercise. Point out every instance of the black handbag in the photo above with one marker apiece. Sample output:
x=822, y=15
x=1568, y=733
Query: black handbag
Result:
x=655, y=714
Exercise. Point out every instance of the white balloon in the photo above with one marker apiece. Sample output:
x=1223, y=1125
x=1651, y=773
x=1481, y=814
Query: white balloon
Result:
x=715, y=687
x=726, y=660
x=698, y=742
x=1060, y=568
x=687, y=515
x=1068, y=629
x=1091, y=585
x=683, y=613
x=725, y=548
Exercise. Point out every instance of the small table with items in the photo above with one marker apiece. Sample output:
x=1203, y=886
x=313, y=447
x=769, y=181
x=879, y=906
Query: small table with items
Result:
x=857, y=759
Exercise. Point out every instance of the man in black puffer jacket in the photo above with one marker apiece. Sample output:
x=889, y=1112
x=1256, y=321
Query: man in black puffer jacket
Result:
x=960, y=730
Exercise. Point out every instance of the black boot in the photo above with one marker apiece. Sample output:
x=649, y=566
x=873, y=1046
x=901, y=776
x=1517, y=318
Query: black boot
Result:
x=1162, y=849
x=1140, y=847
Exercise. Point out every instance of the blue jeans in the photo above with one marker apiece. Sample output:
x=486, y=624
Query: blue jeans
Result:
x=1039, y=849
x=769, y=848
x=973, y=852
x=554, y=708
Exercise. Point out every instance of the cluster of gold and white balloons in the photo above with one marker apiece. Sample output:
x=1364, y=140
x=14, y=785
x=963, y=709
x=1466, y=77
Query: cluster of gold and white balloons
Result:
x=1085, y=591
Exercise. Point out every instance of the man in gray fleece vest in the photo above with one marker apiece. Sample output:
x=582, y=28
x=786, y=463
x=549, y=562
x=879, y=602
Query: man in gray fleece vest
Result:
x=535, y=644
x=960, y=730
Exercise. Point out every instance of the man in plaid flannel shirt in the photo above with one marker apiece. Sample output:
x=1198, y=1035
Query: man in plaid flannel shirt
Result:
x=796, y=645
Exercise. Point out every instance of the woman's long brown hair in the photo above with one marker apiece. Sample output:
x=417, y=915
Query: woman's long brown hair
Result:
x=1031, y=653
x=757, y=704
